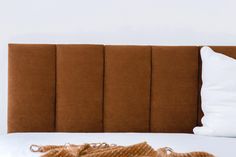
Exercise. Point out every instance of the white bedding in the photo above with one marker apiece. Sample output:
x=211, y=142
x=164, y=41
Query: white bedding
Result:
x=17, y=145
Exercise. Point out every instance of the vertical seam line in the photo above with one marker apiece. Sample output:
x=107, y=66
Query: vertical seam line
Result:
x=55, y=109
x=103, y=90
x=150, y=94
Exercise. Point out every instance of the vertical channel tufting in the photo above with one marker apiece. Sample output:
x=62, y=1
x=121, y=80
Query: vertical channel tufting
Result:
x=31, y=88
x=127, y=88
x=79, y=88
x=174, y=88
x=86, y=88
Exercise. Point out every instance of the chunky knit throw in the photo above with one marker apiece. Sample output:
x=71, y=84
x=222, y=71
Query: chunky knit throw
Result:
x=110, y=150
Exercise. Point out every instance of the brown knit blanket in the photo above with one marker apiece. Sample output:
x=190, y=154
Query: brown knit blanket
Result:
x=107, y=150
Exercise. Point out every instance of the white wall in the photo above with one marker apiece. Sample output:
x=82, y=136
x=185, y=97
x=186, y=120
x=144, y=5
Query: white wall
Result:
x=160, y=22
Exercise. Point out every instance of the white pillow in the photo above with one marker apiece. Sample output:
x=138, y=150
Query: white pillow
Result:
x=218, y=94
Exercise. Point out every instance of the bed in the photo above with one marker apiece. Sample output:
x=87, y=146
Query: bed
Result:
x=119, y=94
x=17, y=144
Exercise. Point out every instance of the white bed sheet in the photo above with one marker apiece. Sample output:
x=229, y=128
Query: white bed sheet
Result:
x=17, y=144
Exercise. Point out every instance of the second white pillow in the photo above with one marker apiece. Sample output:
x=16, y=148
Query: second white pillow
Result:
x=218, y=94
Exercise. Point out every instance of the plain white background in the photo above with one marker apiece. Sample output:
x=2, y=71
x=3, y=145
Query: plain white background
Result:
x=157, y=22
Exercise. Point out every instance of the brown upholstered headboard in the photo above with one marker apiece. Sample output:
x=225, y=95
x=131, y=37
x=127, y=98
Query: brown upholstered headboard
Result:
x=97, y=88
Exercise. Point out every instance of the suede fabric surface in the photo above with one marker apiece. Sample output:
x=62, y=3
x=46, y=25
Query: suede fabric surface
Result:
x=174, y=89
x=31, y=86
x=127, y=88
x=97, y=88
x=79, y=88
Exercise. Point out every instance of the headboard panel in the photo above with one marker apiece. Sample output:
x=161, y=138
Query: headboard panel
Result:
x=79, y=88
x=174, y=88
x=97, y=88
x=127, y=88
x=31, y=86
